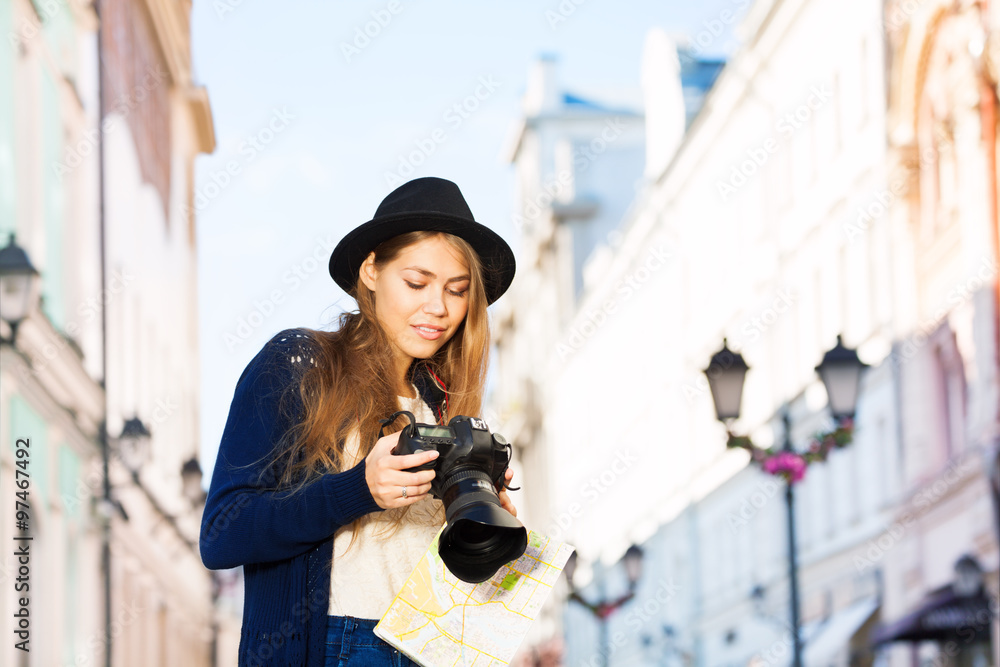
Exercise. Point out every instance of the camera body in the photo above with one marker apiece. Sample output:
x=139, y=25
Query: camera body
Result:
x=480, y=536
x=465, y=443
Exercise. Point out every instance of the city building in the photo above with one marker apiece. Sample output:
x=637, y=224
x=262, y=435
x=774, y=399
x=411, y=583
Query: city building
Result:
x=579, y=164
x=942, y=140
x=96, y=179
x=786, y=214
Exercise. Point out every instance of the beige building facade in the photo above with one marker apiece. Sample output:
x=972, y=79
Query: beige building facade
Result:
x=97, y=175
x=942, y=139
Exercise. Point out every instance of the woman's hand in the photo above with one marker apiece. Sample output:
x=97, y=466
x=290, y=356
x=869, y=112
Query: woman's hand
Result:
x=504, y=497
x=386, y=476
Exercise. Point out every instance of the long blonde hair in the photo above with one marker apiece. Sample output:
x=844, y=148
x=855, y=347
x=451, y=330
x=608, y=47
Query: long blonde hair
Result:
x=353, y=382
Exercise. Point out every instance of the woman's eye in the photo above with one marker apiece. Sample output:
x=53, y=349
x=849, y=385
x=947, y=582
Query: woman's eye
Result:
x=417, y=286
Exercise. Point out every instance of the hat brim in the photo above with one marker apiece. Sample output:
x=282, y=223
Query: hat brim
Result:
x=495, y=255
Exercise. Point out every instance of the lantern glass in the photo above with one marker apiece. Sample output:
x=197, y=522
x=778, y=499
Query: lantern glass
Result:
x=633, y=564
x=841, y=381
x=134, y=444
x=129, y=449
x=727, y=392
x=726, y=373
x=15, y=296
x=968, y=577
x=191, y=480
x=570, y=568
x=18, y=280
x=841, y=375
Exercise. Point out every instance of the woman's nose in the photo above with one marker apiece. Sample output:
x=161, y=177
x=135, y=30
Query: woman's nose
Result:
x=434, y=305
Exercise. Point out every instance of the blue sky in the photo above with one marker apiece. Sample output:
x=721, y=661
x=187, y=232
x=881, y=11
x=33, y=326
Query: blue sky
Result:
x=310, y=118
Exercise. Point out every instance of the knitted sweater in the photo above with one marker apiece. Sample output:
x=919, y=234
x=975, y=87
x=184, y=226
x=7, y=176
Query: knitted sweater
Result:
x=285, y=543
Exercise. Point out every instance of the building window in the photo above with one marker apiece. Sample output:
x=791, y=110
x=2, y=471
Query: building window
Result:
x=950, y=394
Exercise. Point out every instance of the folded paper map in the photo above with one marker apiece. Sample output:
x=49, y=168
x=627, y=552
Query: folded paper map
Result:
x=438, y=620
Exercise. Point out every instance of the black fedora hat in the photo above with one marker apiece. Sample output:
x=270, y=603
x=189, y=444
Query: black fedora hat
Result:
x=424, y=204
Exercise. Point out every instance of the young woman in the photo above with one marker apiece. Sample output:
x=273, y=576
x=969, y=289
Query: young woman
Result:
x=326, y=521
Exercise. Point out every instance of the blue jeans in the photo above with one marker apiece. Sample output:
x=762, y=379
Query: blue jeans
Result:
x=352, y=642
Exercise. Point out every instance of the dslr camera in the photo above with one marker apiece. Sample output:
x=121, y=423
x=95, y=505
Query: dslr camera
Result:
x=480, y=536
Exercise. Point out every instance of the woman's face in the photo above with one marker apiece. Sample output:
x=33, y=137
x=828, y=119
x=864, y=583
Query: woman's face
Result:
x=421, y=297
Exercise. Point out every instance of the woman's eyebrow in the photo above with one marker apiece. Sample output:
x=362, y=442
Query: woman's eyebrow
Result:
x=430, y=274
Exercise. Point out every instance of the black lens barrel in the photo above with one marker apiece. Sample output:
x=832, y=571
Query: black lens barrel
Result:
x=480, y=536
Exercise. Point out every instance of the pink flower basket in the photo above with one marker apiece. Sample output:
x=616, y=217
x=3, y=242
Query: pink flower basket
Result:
x=789, y=465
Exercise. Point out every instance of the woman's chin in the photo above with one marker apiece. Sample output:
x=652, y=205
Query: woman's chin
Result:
x=422, y=351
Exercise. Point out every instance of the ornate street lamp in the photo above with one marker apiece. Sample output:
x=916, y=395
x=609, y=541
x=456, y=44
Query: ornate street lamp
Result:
x=968, y=581
x=18, y=285
x=726, y=372
x=191, y=480
x=841, y=373
x=133, y=444
x=603, y=609
x=633, y=565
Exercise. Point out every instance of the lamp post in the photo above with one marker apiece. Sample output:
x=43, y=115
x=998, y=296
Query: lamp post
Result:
x=840, y=372
x=18, y=285
x=603, y=609
x=133, y=448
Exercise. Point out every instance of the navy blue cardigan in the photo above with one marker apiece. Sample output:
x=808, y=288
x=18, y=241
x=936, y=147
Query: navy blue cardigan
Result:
x=284, y=543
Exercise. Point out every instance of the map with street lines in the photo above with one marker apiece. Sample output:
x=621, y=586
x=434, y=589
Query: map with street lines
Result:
x=438, y=620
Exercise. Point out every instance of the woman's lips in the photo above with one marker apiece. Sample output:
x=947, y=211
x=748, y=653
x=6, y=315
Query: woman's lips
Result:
x=427, y=334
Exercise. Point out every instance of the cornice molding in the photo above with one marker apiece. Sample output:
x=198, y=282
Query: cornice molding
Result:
x=201, y=113
x=173, y=32
x=58, y=367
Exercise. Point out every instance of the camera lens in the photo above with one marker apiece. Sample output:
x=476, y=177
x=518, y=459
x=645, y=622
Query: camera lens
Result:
x=480, y=536
x=476, y=538
x=473, y=534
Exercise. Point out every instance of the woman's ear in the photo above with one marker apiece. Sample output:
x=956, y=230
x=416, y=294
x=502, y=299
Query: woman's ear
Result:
x=368, y=272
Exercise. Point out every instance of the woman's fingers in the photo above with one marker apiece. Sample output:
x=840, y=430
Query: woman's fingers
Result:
x=410, y=460
x=403, y=478
x=507, y=476
x=392, y=496
x=389, y=495
x=387, y=476
x=506, y=503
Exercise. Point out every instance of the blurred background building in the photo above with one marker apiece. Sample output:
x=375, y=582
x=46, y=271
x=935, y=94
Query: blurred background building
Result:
x=100, y=123
x=837, y=178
